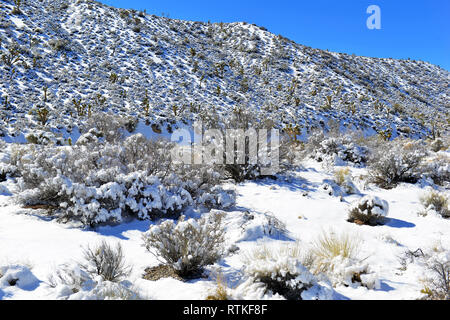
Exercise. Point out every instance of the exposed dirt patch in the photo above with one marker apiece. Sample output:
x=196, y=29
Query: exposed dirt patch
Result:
x=160, y=272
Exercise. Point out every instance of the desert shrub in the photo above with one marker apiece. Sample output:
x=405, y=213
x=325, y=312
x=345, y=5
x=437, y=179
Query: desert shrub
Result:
x=88, y=185
x=187, y=245
x=71, y=282
x=281, y=272
x=221, y=290
x=341, y=175
x=262, y=225
x=368, y=210
x=242, y=172
x=274, y=227
x=396, y=161
x=72, y=277
x=103, y=178
x=437, y=145
x=17, y=275
x=343, y=179
x=58, y=44
x=336, y=255
x=4, y=163
x=243, y=167
x=290, y=152
x=437, y=202
x=330, y=246
x=335, y=149
x=106, y=261
x=203, y=183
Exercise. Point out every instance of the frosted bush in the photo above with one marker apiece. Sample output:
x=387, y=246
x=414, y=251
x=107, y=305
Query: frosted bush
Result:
x=437, y=284
x=243, y=168
x=343, y=178
x=106, y=261
x=351, y=272
x=95, y=181
x=6, y=168
x=337, y=150
x=18, y=276
x=330, y=188
x=281, y=272
x=337, y=257
x=437, y=203
x=369, y=210
x=187, y=245
x=437, y=167
x=110, y=127
x=396, y=161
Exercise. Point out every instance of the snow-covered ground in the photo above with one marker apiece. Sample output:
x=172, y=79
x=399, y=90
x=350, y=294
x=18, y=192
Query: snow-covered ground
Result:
x=29, y=239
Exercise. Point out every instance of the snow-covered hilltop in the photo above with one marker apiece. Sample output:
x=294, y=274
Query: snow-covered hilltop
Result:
x=63, y=59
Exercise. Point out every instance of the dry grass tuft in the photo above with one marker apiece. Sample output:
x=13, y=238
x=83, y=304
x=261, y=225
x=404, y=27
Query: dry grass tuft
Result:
x=340, y=175
x=330, y=246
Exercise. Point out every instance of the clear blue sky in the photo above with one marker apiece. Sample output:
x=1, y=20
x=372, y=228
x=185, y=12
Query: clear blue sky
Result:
x=416, y=29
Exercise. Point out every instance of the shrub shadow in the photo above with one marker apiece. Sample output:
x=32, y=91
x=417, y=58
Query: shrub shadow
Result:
x=396, y=223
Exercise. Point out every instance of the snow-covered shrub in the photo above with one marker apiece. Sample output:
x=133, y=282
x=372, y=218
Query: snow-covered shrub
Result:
x=70, y=282
x=242, y=172
x=437, y=145
x=221, y=291
x=256, y=226
x=110, y=127
x=436, y=202
x=343, y=179
x=274, y=227
x=243, y=167
x=281, y=272
x=68, y=278
x=106, y=261
x=42, y=137
x=341, y=175
x=437, y=284
x=396, y=161
x=369, y=210
x=330, y=188
x=335, y=150
x=290, y=152
x=437, y=167
x=187, y=245
x=331, y=245
x=97, y=181
x=336, y=256
x=18, y=276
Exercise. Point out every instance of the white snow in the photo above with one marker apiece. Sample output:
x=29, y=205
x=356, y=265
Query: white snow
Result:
x=29, y=239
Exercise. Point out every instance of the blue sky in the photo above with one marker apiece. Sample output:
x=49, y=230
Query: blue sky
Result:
x=409, y=28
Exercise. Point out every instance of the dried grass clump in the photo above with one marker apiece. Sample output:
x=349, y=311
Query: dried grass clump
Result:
x=436, y=201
